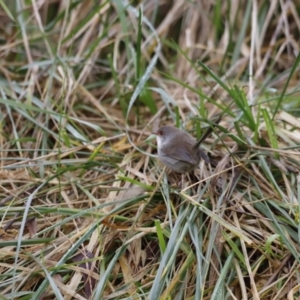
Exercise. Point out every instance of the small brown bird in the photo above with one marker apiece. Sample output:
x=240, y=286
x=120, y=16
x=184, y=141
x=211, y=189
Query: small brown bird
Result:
x=178, y=150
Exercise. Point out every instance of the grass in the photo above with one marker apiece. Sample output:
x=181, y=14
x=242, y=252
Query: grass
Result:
x=87, y=211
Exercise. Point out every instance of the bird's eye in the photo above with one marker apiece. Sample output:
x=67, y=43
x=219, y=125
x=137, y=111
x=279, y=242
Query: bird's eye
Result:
x=159, y=132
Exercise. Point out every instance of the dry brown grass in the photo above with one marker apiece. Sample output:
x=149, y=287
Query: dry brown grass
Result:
x=87, y=211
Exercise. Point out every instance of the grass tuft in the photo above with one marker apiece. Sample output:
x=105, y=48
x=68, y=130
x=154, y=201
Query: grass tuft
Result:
x=87, y=211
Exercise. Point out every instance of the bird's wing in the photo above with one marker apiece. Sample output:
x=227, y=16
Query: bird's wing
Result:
x=182, y=153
